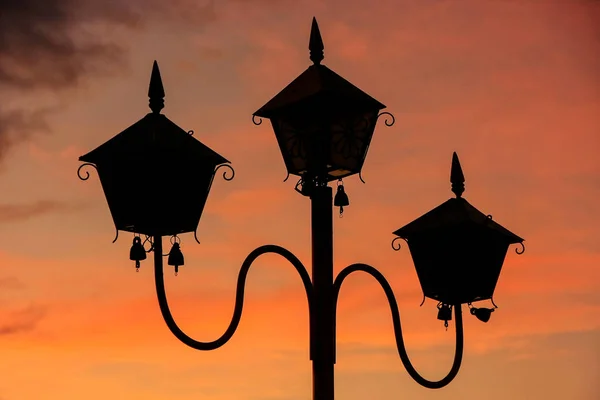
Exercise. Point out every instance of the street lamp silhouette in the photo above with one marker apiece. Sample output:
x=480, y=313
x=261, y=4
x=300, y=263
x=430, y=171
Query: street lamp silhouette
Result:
x=156, y=178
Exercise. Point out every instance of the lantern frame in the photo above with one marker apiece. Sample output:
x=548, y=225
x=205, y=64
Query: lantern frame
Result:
x=457, y=250
x=323, y=123
x=156, y=177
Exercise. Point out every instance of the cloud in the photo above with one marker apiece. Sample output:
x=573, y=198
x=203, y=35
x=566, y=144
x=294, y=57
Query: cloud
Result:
x=24, y=320
x=43, y=45
x=19, y=212
x=48, y=43
x=55, y=44
x=18, y=125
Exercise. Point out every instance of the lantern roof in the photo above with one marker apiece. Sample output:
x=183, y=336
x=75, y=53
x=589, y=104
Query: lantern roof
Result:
x=154, y=132
x=315, y=82
x=456, y=211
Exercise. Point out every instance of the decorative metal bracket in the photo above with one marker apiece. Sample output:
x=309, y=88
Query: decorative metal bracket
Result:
x=225, y=172
x=397, y=246
x=391, y=120
x=239, y=297
x=398, y=328
x=87, y=174
x=227, y=178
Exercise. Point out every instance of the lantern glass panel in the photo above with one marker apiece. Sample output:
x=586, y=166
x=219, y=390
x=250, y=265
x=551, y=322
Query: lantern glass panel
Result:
x=350, y=139
x=338, y=143
x=295, y=136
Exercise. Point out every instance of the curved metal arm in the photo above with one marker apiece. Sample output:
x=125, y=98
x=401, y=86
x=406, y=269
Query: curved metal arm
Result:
x=398, y=329
x=239, y=296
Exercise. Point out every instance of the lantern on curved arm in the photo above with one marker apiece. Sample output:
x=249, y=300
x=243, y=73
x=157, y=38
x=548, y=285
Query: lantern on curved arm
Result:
x=458, y=251
x=156, y=176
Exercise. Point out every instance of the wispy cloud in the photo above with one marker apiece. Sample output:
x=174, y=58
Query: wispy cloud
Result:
x=56, y=44
x=19, y=212
x=23, y=320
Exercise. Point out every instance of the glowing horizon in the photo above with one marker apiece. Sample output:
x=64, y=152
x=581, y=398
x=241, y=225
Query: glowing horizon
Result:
x=511, y=86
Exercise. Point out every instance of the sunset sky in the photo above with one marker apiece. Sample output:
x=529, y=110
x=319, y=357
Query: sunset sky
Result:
x=513, y=86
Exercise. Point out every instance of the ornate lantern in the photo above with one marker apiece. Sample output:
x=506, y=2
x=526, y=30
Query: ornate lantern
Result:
x=155, y=175
x=457, y=250
x=323, y=123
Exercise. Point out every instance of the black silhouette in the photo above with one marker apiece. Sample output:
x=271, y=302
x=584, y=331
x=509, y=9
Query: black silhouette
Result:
x=323, y=125
x=153, y=150
x=449, y=245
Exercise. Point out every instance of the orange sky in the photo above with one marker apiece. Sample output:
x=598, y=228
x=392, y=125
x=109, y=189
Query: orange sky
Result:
x=512, y=86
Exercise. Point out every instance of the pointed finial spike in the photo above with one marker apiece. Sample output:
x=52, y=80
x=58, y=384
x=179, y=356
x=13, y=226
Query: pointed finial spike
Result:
x=156, y=92
x=315, y=44
x=457, y=177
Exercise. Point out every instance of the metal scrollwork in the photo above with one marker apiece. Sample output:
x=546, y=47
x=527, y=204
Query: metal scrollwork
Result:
x=489, y=216
x=87, y=174
x=397, y=246
x=225, y=172
x=400, y=345
x=148, y=239
x=522, y=250
x=360, y=177
x=494, y=304
x=388, y=121
x=287, y=177
x=298, y=187
x=116, y=230
x=349, y=138
x=191, y=132
x=196, y=236
x=256, y=120
x=173, y=239
x=297, y=146
x=239, y=296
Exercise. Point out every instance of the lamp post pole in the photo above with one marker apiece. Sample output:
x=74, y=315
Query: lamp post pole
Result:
x=322, y=335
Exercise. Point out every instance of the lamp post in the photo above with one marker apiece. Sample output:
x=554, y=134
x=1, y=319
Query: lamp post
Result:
x=323, y=125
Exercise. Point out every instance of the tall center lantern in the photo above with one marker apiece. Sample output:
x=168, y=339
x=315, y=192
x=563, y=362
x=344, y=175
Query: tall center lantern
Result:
x=322, y=122
x=155, y=175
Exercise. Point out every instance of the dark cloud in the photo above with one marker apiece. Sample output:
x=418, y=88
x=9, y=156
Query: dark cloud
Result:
x=20, y=212
x=45, y=44
x=50, y=44
x=19, y=125
x=24, y=320
x=55, y=44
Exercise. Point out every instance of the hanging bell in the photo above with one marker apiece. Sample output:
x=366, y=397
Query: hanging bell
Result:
x=341, y=198
x=137, y=252
x=482, y=314
x=175, y=257
x=444, y=313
